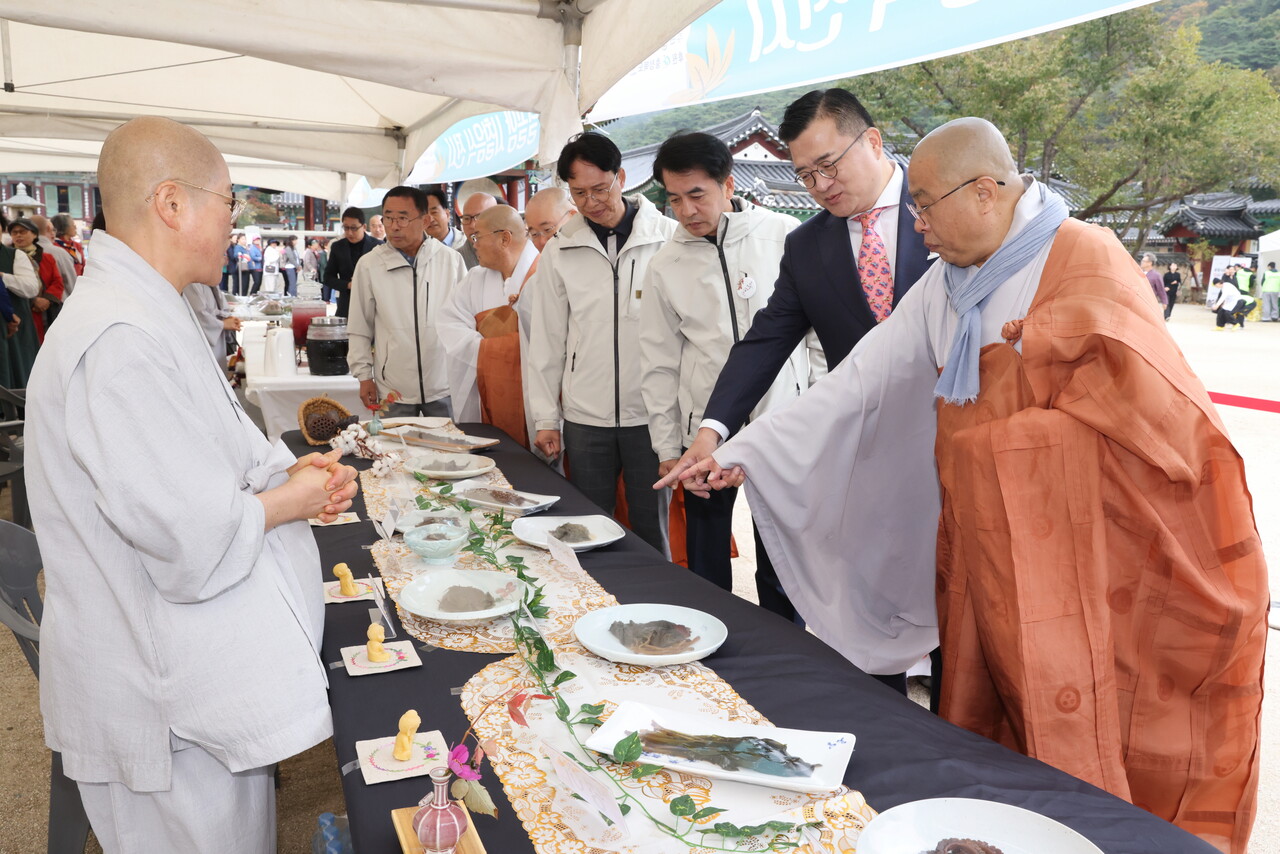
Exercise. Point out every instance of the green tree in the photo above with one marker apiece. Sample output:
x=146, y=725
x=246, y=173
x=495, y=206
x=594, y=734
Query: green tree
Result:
x=1122, y=106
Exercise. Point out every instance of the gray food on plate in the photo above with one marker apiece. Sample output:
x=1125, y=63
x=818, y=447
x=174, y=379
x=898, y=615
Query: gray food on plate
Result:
x=963, y=846
x=655, y=637
x=571, y=532
x=458, y=599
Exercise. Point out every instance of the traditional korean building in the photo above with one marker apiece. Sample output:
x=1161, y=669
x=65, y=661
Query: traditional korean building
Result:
x=762, y=169
x=1223, y=219
x=74, y=193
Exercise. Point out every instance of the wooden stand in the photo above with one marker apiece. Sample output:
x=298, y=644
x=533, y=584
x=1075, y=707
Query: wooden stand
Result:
x=409, y=844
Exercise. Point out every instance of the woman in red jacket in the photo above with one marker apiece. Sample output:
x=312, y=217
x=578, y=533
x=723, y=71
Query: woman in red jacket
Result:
x=68, y=237
x=44, y=308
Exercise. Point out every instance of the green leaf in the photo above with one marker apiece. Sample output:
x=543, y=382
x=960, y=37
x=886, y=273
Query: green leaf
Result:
x=625, y=808
x=591, y=708
x=683, y=806
x=546, y=659
x=576, y=795
x=446, y=489
x=478, y=800
x=562, y=708
x=591, y=721
x=706, y=812
x=458, y=788
x=644, y=770
x=565, y=676
x=628, y=749
x=421, y=478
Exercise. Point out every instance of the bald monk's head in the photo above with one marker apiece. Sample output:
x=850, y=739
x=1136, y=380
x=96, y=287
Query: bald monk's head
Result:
x=45, y=226
x=167, y=194
x=966, y=185
x=500, y=238
x=546, y=212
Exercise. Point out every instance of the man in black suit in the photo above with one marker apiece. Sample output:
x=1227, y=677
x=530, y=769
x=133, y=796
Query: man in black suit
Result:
x=833, y=277
x=344, y=254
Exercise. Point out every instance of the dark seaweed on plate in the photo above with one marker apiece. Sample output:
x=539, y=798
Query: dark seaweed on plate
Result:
x=731, y=753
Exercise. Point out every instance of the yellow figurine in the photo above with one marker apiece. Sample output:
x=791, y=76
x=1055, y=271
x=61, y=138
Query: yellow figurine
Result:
x=409, y=723
x=346, y=587
x=373, y=649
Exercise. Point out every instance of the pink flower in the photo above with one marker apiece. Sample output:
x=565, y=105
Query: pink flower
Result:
x=458, y=763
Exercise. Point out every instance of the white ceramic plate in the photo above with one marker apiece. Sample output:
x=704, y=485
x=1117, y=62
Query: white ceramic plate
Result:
x=430, y=464
x=921, y=825
x=534, y=531
x=593, y=632
x=422, y=595
x=828, y=752
x=539, y=502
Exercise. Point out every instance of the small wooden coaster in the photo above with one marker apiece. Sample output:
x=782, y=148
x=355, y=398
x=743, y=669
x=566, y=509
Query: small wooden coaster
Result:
x=402, y=819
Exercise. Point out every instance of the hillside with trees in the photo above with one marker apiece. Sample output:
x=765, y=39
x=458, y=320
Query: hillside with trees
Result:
x=1136, y=110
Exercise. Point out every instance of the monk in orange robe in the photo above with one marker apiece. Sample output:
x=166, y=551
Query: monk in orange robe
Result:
x=480, y=326
x=1061, y=507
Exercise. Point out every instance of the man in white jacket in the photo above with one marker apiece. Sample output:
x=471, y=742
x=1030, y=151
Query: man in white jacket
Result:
x=180, y=645
x=397, y=292
x=701, y=293
x=584, y=347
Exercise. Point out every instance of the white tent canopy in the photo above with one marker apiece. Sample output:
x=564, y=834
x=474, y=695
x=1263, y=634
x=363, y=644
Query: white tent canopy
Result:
x=76, y=155
x=350, y=86
x=1269, y=250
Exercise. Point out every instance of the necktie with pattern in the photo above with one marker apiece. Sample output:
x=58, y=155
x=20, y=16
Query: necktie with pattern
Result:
x=873, y=265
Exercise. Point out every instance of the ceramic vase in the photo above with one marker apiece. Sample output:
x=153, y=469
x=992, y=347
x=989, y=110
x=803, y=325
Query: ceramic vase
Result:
x=375, y=424
x=439, y=822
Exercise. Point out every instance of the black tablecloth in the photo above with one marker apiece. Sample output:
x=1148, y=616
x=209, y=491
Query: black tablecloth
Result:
x=904, y=753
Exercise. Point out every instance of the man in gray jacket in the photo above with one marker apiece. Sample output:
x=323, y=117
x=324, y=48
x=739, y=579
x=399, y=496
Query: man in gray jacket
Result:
x=397, y=292
x=584, y=340
x=702, y=292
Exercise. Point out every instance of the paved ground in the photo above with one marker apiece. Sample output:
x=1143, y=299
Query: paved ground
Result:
x=1244, y=363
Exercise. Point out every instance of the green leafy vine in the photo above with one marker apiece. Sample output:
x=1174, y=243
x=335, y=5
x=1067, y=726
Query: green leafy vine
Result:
x=536, y=652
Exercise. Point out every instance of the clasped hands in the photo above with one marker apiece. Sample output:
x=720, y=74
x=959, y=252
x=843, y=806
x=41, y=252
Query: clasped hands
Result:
x=698, y=469
x=324, y=485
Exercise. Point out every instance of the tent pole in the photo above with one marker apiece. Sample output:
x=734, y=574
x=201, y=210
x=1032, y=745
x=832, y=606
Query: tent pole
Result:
x=8, y=55
x=342, y=176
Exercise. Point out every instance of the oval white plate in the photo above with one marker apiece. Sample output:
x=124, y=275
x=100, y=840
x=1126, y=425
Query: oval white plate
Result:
x=593, y=632
x=422, y=595
x=534, y=532
x=427, y=464
x=921, y=825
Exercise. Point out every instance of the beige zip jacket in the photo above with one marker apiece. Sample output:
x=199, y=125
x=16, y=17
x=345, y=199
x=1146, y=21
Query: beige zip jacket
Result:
x=700, y=299
x=584, y=340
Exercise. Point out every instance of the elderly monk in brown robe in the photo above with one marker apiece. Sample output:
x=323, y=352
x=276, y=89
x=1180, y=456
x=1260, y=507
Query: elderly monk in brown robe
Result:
x=1099, y=583
x=481, y=325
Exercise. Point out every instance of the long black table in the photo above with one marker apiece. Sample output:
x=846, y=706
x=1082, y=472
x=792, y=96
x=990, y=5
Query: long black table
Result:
x=904, y=753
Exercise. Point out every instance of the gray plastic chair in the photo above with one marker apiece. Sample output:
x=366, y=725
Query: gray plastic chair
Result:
x=21, y=610
x=12, y=408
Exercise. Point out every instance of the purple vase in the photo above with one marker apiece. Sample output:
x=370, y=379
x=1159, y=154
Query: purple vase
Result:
x=439, y=822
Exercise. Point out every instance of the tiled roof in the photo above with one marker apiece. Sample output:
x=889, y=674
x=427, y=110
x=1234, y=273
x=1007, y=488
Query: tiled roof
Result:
x=1218, y=215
